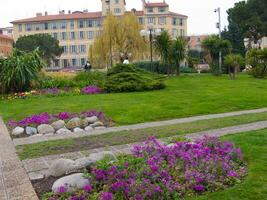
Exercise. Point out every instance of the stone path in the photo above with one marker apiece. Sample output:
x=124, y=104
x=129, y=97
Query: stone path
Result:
x=36, y=139
x=14, y=181
x=38, y=166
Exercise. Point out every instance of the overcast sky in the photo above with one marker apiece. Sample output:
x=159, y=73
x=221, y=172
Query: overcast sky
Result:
x=202, y=18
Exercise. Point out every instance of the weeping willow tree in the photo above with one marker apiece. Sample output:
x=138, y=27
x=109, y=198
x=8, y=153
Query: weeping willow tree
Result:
x=120, y=38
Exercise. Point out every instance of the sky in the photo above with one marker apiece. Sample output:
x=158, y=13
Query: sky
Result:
x=202, y=19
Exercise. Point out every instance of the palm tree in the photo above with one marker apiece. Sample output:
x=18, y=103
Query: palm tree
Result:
x=162, y=45
x=178, y=52
x=233, y=62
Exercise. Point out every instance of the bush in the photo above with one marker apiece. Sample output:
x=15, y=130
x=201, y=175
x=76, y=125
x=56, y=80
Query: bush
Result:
x=84, y=79
x=19, y=70
x=170, y=172
x=187, y=70
x=156, y=66
x=127, y=78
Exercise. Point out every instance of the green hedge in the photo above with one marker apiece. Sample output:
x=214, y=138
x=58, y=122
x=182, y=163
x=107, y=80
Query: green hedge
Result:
x=155, y=66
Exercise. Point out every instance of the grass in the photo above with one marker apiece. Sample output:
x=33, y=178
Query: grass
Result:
x=126, y=137
x=254, y=187
x=188, y=95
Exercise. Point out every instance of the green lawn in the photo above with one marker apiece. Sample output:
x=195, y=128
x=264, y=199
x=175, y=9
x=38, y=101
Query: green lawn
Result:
x=184, y=96
x=254, y=187
x=126, y=137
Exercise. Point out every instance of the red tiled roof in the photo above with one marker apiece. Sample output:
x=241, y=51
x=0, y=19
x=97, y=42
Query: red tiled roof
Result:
x=158, y=4
x=139, y=13
x=76, y=15
x=5, y=37
x=177, y=14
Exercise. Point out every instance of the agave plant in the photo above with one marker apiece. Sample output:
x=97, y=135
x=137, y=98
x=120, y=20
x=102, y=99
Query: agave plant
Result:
x=18, y=70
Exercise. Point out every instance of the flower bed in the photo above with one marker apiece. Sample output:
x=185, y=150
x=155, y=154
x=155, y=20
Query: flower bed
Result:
x=63, y=122
x=156, y=171
x=88, y=90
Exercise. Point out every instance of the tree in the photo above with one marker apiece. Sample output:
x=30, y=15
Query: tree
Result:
x=250, y=17
x=257, y=58
x=233, y=62
x=119, y=38
x=48, y=46
x=162, y=45
x=178, y=52
x=18, y=70
x=213, y=45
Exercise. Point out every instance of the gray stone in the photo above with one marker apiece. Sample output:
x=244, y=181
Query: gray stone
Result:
x=100, y=128
x=74, y=123
x=34, y=176
x=77, y=130
x=17, y=131
x=63, y=131
x=88, y=128
x=101, y=155
x=61, y=167
x=92, y=119
x=96, y=124
x=31, y=130
x=83, y=162
x=58, y=124
x=36, y=135
x=45, y=129
x=71, y=183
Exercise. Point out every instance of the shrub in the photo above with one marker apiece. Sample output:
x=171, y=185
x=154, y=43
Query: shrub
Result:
x=127, y=78
x=19, y=70
x=84, y=79
x=257, y=58
x=187, y=70
x=169, y=172
x=155, y=66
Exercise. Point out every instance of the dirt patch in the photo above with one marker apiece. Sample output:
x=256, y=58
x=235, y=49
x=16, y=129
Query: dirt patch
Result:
x=43, y=186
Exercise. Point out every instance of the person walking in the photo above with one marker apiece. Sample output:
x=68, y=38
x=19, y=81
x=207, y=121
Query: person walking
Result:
x=87, y=66
x=126, y=61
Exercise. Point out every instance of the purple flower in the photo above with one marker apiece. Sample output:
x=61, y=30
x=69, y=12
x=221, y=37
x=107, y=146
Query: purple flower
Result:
x=199, y=188
x=88, y=188
x=62, y=189
x=91, y=90
x=232, y=174
x=63, y=115
x=106, y=196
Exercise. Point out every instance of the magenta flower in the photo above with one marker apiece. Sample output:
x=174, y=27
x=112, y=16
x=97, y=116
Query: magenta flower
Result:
x=88, y=188
x=199, y=188
x=106, y=196
x=91, y=90
x=62, y=189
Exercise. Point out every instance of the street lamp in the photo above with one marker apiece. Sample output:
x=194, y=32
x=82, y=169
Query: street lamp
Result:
x=150, y=33
x=218, y=25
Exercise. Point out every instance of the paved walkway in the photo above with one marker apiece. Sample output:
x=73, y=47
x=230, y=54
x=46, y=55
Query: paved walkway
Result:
x=14, y=181
x=38, y=166
x=36, y=139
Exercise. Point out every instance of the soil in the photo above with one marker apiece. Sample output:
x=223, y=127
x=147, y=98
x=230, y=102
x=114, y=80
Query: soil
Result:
x=43, y=186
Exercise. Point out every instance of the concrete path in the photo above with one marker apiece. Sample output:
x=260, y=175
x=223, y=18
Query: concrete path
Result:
x=36, y=139
x=38, y=166
x=14, y=181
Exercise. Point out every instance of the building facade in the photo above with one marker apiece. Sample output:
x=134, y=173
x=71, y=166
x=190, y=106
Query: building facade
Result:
x=76, y=31
x=195, y=42
x=6, y=45
x=7, y=31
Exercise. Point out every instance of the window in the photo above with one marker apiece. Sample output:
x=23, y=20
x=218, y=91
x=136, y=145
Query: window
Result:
x=82, y=61
x=90, y=35
x=56, y=63
x=81, y=35
x=65, y=49
x=46, y=26
x=28, y=27
x=63, y=25
x=97, y=23
x=117, y=10
x=174, y=21
x=54, y=25
x=55, y=35
x=116, y=1
x=81, y=24
x=72, y=35
x=74, y=62
x=72, y=24
x=151, y=20
x=63, y=36
x=65, y=63
x=182, y=32
x=73, y=49
x=181, y=22
x=141, y=20
x=90, y=23
x=150, y=9
x=174, y=32
x=82, y=48
x=20, y=27
x=162, y=20
x=162, y=9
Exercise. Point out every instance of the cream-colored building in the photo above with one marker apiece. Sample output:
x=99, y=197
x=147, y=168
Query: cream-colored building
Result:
x=76, y=31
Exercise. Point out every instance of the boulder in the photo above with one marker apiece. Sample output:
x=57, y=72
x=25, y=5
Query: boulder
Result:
x=63, y=131
x=45, y=129
x=74, y=123
x=96, y=124
x=31, y=130
x=94, y=157
x=100, y=128
x=77, y=130
x=58, y=124
x=92, y=119
x=85, y=123
x=88, y=128
x=70, y=183
x=83, y=162
x=61, y=167
x=17, y=131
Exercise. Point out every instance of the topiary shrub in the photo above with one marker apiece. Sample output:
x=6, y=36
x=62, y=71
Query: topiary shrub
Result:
x=127, y=78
